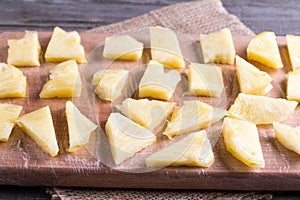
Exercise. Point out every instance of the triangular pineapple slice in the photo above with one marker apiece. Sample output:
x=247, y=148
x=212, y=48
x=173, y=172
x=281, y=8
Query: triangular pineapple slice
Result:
x=192, y=116
x=157, y=84
x=288, y=136
x=79, y=126
x=8, y=115
x=293, y=82
x=123, y=47
x=218, y=47
x=65, y=46
x=293, y=46
x=263, y=48
x=242, y=141
x=12, y=82
x=205, y=80
x=110, y=83
x=39, y=126
x=193, y=150
x=165, y=47
x=64, y=81
x=148, y=114
x=24, y=51
x=126, y=137
x=251, y=79
x=261, y=109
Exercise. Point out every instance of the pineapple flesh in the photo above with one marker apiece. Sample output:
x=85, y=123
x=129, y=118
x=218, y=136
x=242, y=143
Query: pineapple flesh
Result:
x=218, y=47
x=12, y=82
x=25, y=51
x=293, y=46
x=64, y=81
x=293, y=82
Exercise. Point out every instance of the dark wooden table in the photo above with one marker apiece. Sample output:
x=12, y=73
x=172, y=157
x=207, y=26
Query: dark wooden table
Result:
x=282, y=17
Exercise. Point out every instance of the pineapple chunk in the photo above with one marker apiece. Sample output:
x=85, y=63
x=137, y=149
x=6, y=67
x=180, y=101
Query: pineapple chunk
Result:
x=165, y=48
x=193, y=150
x=242, y=141
x=110, y=83
x=293, y=81
x=288, y=136
x=261, y=109
x=64, y=81
x=218, y=47
x=263, y=48
x=252, y=80
x=12, y=82
x=8, y=114
x=205, y=80
x=293, y=46
x=39, y=126
x=148, y=114
x=25, y=51
x=122, y=47
x=157, y=84
x=192, y=116
x=79, y=126
x=126, y=137
x=65, y=46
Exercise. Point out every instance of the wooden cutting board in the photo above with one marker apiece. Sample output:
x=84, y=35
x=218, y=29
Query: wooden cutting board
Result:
x=22, y=162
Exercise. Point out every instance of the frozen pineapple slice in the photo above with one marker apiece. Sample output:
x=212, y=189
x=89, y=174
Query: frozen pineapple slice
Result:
x=157, y=84
x=79, y=126
x=205, y=80
x=25, y=51
x=8, y=115
x=65, y=46
x=293, y=46
x=251, y=79
x=123, y=47
x=192, y=116
x=64, y=81
x=263, y=48
x=149, y=114
x=218, y=47
x=110, y=83
x=165, y=48
x=293, y=82
x=242, y=141
x=261, y=109
x=39, y=126
x=126, y=137
x=12, y=82
x=193, y=150
x=288, y=136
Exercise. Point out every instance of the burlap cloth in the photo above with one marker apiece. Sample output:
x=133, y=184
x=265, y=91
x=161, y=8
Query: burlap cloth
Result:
x=191, y=18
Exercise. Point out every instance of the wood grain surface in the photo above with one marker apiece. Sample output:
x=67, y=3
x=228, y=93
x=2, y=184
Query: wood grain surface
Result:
x=24, y=163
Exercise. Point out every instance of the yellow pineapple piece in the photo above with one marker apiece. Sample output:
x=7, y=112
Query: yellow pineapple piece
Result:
x=165, y=48
x=8, y=115
x=123, y=47
x=218, y=47
x=192, y=116
x=157, y=84
x=261, y=109
x=242, y=141
x=79, y=126
x=110, y=83
x=288, y=136
x=39, y=126
x=12, y=82
x=64, y=81
x=293, y=82
x=25, y=51
x=263, y=48
x=205, y=80
x=193, y=150
x=251, y=79
x=126, y=137
x=148, y=114
x=293, y=46
x=65, y=46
